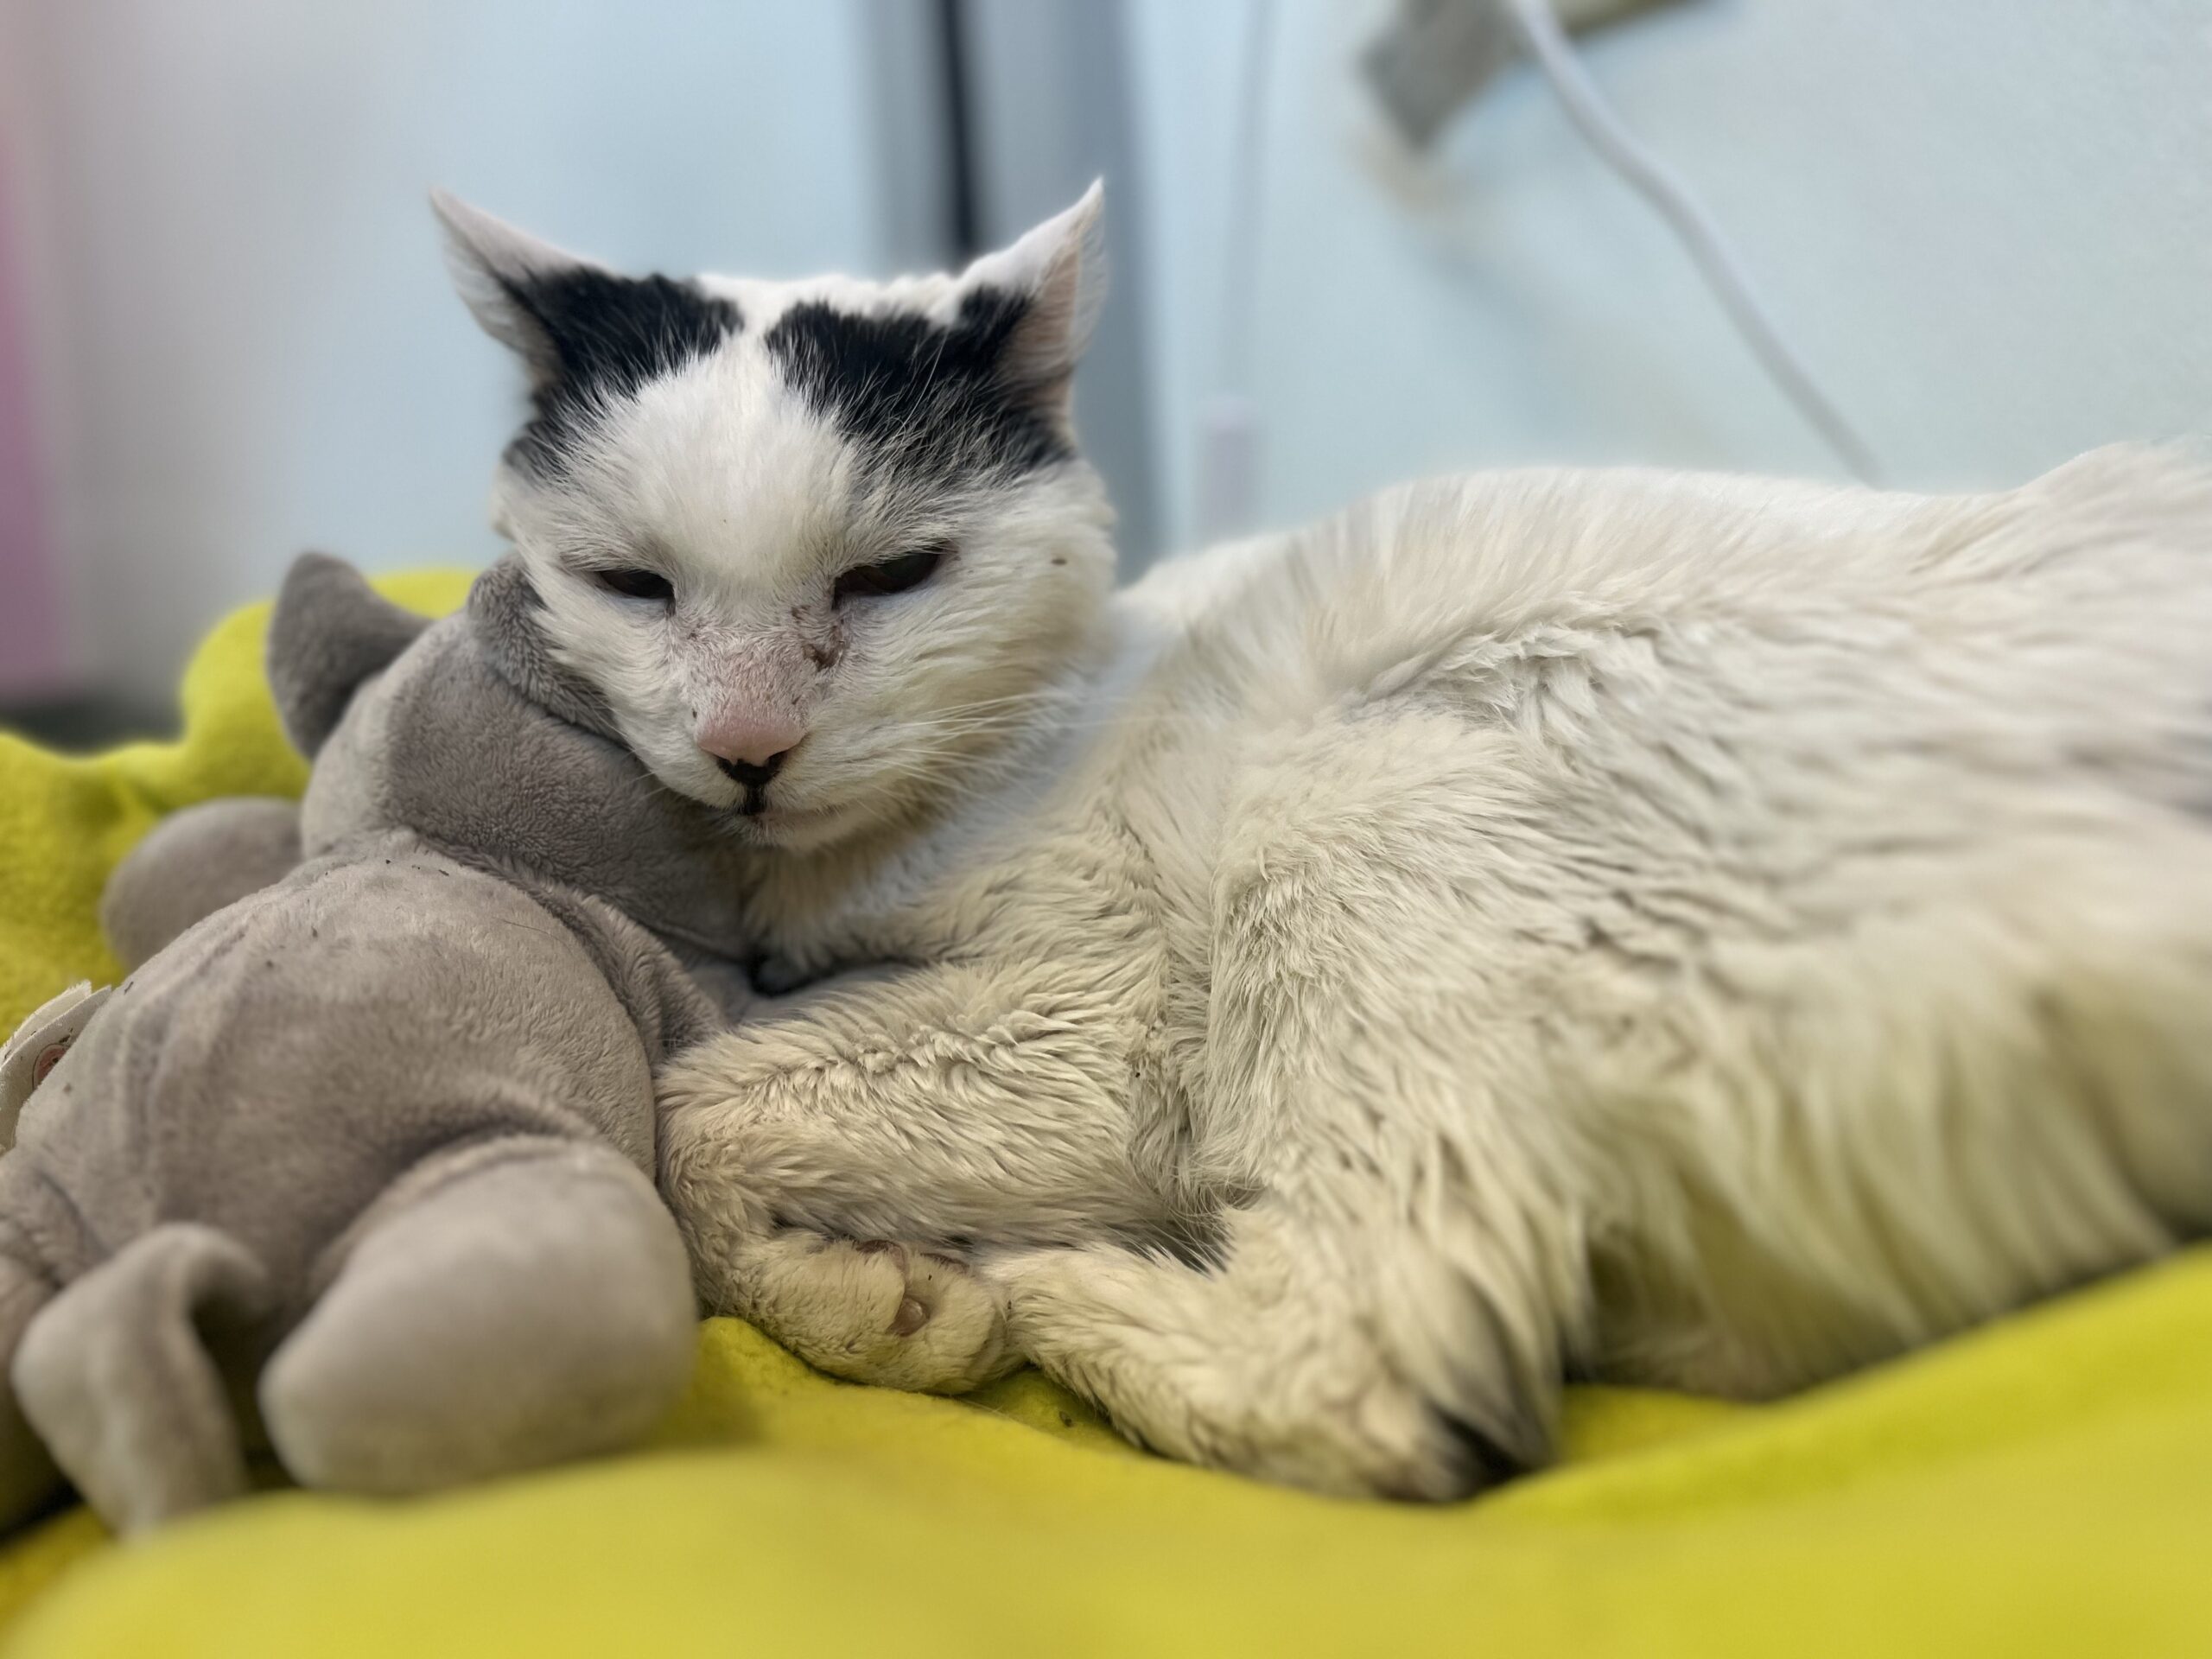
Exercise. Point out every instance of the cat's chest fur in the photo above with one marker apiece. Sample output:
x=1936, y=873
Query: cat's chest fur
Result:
x=1095, y=863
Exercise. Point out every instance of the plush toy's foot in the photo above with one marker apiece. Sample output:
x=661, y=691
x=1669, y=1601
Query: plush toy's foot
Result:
x=191, y=865
x=534, y=1304
x=875, y=1312
x=28, y=1477
x=116, y=1375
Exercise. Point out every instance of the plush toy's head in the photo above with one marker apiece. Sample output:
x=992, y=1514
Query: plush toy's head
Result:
x=426, y=726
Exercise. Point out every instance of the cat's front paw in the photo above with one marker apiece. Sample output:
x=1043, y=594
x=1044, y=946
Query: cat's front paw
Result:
x=882, y=1313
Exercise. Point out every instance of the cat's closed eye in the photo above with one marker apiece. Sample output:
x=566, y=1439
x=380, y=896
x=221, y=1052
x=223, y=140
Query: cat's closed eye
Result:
x=893, y=576
x=633, y=583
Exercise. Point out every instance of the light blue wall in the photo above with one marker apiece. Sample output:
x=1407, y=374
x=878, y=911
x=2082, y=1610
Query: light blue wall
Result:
x=1989, y=223
x=248, y=342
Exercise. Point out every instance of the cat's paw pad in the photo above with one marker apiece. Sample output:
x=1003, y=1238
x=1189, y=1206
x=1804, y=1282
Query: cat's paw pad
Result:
x=888, y=1313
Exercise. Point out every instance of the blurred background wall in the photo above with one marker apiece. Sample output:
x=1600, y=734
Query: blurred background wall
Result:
x=226, y=335
x=1987, y=223
x=243, y=341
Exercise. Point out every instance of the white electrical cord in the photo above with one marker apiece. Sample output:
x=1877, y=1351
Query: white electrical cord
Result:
x=1240, y=262
x=1229, y=451
x=1644, y=172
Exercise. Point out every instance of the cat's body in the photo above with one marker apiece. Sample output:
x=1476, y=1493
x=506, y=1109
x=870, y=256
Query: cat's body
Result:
x=1680, y=930
x=1665, y=929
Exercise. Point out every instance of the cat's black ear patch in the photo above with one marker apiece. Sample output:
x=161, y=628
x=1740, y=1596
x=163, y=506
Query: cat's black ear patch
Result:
x=929, y=400
x=603, y=337
x=588, y=335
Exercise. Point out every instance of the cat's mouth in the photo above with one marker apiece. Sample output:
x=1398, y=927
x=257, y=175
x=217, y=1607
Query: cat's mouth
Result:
x=763, y=821
x=752, y=779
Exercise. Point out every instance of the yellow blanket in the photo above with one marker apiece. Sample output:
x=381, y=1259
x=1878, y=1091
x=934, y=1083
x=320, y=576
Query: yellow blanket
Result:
x=2041, y=1487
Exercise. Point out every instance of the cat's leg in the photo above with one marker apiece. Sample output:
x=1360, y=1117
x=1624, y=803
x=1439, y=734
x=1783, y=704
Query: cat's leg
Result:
x=1396, y=1313
x=821, y=1159
x=869, y=1310
x=1393, y=1316
x=1275, y=1360
x=1353, y=1328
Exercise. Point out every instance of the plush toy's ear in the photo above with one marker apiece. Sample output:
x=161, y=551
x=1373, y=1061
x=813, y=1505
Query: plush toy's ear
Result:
x=331, y=632
x=37, y=1048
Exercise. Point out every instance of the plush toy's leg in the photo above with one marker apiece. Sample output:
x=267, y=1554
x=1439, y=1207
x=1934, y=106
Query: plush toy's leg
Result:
x=534, y=1305
x=115, y=1375
x=191, y=865
x=28, y=1475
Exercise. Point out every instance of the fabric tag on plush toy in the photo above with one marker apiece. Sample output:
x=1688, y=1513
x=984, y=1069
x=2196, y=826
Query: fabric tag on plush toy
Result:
x=38, y=1045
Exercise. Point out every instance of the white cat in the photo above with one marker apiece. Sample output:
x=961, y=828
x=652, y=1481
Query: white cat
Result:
x=1675, y=928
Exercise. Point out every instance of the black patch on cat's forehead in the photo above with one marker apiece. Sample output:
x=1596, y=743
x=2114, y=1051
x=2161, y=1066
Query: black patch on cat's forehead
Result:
x=926, y=399
x=606, y=335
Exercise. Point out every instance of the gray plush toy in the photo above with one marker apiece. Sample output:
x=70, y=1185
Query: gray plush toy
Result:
x=360, y=1165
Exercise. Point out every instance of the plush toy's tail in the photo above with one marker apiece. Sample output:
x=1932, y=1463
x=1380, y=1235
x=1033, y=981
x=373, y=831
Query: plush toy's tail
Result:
x=115, y=1375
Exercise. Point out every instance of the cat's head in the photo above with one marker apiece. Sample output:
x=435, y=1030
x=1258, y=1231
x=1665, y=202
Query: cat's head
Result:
x=813, y=547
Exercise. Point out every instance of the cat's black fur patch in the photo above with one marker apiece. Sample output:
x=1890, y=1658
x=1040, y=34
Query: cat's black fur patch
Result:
x=1199, y=1242
x=918, y=397
x=606, y=336
x=1484, y=1462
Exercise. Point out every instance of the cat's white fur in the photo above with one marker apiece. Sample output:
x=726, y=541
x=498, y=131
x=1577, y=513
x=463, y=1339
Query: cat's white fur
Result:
x=1688, y=931
x=1691, y=930
x=721, y=476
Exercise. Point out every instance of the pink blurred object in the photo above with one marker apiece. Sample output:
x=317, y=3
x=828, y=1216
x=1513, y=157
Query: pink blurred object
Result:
x=31, y=657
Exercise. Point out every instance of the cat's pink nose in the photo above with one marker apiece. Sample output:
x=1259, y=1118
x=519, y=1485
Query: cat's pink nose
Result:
x=748, y=740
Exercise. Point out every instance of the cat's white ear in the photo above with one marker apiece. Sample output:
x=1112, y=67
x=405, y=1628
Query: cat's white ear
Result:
x=494, y=265
x=1060, y=267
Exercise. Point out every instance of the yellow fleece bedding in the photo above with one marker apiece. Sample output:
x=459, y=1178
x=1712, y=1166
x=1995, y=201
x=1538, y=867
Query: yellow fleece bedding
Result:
x=2042, y=1487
